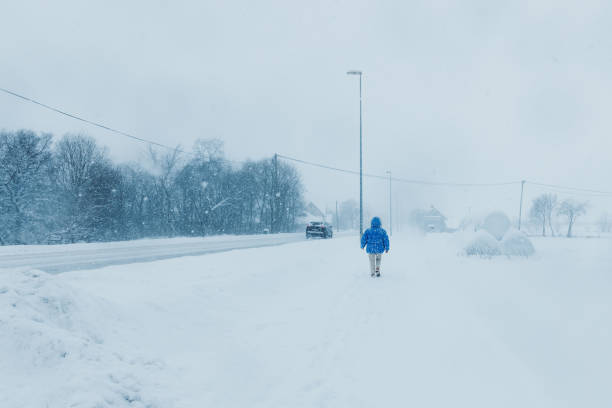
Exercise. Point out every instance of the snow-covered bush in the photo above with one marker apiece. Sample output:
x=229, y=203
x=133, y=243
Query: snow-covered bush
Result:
x=483, y=244
x=497, y=224
x=516, y=243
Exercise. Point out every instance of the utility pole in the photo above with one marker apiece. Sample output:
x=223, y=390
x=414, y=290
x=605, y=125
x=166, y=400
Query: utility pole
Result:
x=521, y=205
x=337, y=219
x=274, y=203
x=360, y=153
x=390, y=208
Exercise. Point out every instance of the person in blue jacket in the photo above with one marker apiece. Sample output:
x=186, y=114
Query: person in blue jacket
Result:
x=376, y=241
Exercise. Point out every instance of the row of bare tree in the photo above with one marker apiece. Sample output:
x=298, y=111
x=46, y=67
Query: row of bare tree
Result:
x=546, y=206
x=69, y=191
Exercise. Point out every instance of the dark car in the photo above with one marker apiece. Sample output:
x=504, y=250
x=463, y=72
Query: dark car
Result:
x=319, y=229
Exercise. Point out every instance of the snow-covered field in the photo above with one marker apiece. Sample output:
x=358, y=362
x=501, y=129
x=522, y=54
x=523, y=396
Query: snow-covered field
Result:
x=303, y=325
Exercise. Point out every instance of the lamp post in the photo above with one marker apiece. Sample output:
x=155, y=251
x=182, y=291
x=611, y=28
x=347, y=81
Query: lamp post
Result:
x=390, y=213
x=521, y=205
x=360, y=154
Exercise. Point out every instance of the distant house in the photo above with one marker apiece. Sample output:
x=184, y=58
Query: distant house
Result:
x=431, y=220
x=314, y=211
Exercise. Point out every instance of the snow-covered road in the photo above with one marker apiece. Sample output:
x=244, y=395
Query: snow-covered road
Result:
x=303, y=325
x=62, y=258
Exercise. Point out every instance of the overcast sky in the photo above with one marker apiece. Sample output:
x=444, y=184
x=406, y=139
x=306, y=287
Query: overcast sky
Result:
x=465, y=91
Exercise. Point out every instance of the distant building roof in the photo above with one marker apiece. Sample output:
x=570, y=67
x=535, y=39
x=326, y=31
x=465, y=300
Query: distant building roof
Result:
x=433, y=212
x=314, y=210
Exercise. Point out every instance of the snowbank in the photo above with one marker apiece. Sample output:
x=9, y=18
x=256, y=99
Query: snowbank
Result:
x=8, y=250
x=303, y=325
x=55, y=335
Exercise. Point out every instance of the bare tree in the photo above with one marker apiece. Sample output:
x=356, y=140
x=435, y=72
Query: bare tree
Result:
x=24, y=185
x=78, y=158
x=538, y=212
x=572, y=210
x=208, y=149
x=167, y=165
x=604, y=222
x=76, y=155
x=542, y=210
x=73, y=192
x=550, y=204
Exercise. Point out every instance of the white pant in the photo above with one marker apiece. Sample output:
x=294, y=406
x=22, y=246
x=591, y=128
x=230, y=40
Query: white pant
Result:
x=375, y=263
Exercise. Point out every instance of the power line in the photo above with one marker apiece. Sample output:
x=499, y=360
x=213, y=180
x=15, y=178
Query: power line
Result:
x=330, y=167
x=551, y=187
x=401, y=180
x=108, y=128
x=450, y=184
x=70, y=115
x=566, y=192
x=585, y=190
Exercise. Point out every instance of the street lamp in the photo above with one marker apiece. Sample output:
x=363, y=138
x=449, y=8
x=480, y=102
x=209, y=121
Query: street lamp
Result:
x=390, y=213
x=360, y=155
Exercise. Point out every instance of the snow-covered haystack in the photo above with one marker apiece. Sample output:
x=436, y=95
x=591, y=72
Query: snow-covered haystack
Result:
x=53, y=336
x=497, y=224
x=483, y=244
x=516, y=243
x=496, y=238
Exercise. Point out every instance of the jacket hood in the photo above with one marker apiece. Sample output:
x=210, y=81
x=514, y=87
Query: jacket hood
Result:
x=376, y=222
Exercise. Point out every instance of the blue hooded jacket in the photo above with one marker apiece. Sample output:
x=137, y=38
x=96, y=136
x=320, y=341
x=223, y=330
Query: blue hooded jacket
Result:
x=375, y=238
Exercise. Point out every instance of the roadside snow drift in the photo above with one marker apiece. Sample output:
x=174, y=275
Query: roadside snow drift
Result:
x=303, y=325
x=53, y=338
